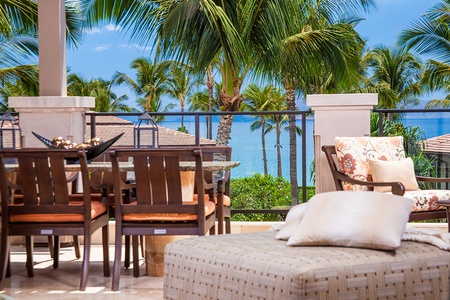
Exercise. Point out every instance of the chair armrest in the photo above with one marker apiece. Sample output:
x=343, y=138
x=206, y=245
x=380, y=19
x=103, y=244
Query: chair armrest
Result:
x=220, y=184
x=397, y=187
x=431, y=179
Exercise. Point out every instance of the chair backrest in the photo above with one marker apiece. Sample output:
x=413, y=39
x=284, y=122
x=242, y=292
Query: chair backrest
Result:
x=157, y=181
x=353, y=154
x=98, y=178
x=214, y=153
x=42, y=178
x=217, y=153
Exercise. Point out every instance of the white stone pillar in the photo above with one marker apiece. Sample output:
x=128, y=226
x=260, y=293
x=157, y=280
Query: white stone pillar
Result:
x=51, y=116
x=52, y=113
x=52, y=48
x=337, y=115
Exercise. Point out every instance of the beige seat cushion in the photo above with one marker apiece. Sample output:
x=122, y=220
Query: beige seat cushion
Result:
x=226, y=199
x=97, y=208
x=210, y=207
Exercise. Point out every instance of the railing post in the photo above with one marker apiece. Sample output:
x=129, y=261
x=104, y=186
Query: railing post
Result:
x=380, y=123
x=93, y=125
x=197, y=129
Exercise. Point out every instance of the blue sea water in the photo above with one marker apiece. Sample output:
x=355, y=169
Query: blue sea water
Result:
x=247, y=147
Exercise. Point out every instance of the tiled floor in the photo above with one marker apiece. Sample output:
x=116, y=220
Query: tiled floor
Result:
x=62, y=283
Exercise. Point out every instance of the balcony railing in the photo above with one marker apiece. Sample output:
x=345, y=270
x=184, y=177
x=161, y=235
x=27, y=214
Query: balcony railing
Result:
x=247, y=144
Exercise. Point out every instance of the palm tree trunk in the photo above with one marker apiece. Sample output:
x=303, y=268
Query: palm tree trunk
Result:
x=229, y=103
x=182, y=111
x=263, y=145
x=224, y=130
x=210, y=85
x=278, y=145
x=290, y=98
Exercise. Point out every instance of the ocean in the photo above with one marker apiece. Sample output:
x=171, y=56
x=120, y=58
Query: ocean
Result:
x=247, y=146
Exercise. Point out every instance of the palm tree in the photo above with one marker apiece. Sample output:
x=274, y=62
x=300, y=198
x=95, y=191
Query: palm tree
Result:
x=398, y=72
x=322, y=40
x=100, y=89
x=274, y=122
x=260, y=35
x=201, y=101
x=15, y=88
x=429, y=35
x=150, y=84
x=181, y=84
x=155, y=106
x=259, y=100
x=18, y=40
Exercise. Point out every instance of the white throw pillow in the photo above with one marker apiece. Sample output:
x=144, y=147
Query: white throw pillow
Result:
x=389, y=171
x=353, y=219
x=293, y=217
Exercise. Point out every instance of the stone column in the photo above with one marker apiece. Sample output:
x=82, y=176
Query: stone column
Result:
x=52, y=113
x=337, y=115
x=52, y=48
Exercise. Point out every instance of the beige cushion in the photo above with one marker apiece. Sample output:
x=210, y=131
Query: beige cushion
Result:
x=293, y=218
x=389, y=171
x=357, y=219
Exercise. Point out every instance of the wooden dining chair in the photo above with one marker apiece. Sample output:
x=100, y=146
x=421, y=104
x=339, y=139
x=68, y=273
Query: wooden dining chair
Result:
x=46, y=209
x=102, y=189
x=222, y=182
x=158, y=208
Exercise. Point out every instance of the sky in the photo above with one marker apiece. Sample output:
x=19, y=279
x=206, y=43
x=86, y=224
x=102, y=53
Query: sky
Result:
x=107, y=50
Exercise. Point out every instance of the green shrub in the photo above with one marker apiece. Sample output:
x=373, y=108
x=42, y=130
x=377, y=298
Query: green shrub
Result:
x=261, y=192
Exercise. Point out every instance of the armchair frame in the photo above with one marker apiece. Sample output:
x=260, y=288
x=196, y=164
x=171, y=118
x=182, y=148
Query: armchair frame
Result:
x=397, y=187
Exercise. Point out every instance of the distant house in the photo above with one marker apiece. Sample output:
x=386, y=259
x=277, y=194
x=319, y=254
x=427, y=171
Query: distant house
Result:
x=107, y=127
x=439, y=147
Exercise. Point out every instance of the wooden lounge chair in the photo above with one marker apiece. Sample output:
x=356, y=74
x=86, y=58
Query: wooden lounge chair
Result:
x=425, y=208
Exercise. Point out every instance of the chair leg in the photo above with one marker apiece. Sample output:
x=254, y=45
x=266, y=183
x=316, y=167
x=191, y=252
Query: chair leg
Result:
x=29, y=249
x=141, y=240
x=105, y=242
x=220, y=220
x=135, y=242
x=50, y=245
x=227, y=225
x=8, y=269
x=4, y=259
x=56, y=252
x=127, y=252
x=76, y=246
x=85, y=263
x=117, y=259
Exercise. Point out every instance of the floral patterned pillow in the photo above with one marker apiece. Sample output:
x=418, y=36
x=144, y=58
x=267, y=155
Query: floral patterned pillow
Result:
x=353, y=154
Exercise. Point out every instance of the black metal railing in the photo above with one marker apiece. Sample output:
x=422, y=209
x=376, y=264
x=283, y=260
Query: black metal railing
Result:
x=301, y=116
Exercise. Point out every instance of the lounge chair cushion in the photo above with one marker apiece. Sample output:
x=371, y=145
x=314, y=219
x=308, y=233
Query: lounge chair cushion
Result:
x=396, y=170
x=353, y=154
x=358, y=219
x=427, y=199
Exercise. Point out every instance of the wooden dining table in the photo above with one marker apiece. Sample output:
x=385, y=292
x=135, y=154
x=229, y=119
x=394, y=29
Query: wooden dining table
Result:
x=128, y=166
